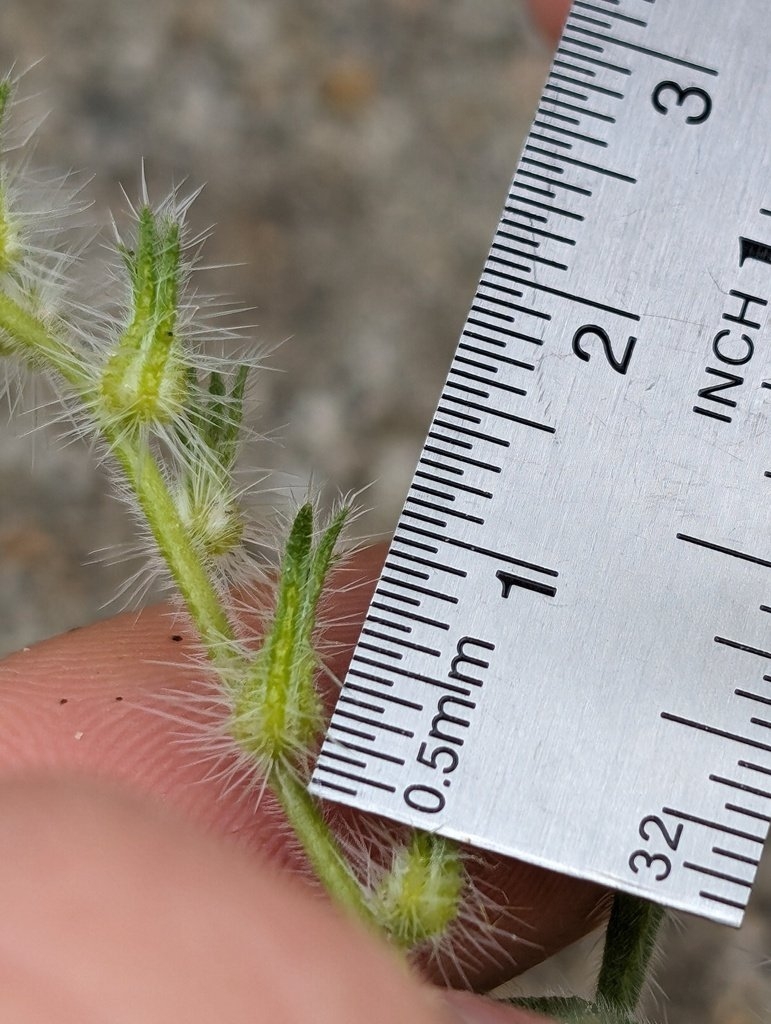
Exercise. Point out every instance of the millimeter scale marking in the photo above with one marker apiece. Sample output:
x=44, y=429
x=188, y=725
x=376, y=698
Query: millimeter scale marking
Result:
x=566, y=659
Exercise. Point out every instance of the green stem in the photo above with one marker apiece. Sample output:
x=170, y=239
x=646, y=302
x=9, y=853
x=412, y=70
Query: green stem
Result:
x=319, y=844
x=200, y=596
x=629, y=944
x=41, y=348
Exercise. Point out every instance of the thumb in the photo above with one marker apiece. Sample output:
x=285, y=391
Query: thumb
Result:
x=114, y=912
x=549, y=16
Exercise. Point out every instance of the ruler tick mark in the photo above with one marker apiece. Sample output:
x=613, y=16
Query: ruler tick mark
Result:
x=465, y=347
x=713, y=824
x=584, y=97
x=740, y=785
x=572, y=106
x=336, y=727
x=356, y=778
x=591, y=21
x=742, y=647
x=717, y=874
x=465, y=488
x=419, y=590
x=453, y=570
x=555, y=184
x=720, y=852
x=723, y=900
x=668, y=717
x=346, y=760
x=508, y=416
x=338, y=789
x=492, y=383
x=581, y=42
x=573, y=135
x=383, y=696
x=617, y=175
x=346, y=745
x=390, y=625
x=409, y=615
x=460, y=458
x=724, y=550
x=750, y=766
x=379, y=650
x=647, y=51
x=398, y=597
x=594, y=61
x=377, y=725
x=442, y=684
x=581, y=300
x=608, y=14
x=345, y=699
x=583, y=85
x=465, y=516
x=550, y=209
x=523, y=255
x=407, y=571
x=753, y=696
x=756, y=815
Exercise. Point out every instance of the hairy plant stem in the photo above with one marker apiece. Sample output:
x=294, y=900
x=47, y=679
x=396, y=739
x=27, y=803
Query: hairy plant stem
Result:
x=629, y=944
x=41, y=348
x=200, y=597
x=30, y=339
x=319, y=844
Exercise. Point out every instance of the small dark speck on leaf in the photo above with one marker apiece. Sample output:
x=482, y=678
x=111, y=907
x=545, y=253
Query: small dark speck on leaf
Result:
x=62, y=700
x=119, y=698
x=177, y=638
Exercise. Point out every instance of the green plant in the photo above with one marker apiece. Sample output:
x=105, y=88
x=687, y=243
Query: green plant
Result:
x=144, y=382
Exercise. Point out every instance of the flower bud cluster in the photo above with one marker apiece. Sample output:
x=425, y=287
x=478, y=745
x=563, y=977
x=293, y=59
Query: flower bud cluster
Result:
x=145, y=378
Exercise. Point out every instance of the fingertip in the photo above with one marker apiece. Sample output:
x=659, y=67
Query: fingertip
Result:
x=114, y=910
x=549, y=16
x=471, y=1009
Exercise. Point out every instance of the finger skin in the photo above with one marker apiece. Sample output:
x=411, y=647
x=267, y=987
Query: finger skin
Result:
x=113, y=913
x=110, y=676
x=549, y=16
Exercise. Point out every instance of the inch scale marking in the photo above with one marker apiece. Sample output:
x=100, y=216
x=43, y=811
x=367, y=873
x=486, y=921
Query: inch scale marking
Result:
x=566, y=657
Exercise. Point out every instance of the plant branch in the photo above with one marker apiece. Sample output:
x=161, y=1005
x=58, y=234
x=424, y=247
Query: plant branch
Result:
x=320, y=846
x=630, y=941
x=41, y=349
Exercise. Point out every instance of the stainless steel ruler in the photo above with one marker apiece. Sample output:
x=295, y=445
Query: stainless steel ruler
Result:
x=568, y=655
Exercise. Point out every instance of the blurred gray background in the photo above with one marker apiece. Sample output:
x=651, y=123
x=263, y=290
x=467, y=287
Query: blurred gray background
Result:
x=355, y=157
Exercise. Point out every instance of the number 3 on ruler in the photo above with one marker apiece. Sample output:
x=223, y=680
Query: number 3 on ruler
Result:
x=619, y=363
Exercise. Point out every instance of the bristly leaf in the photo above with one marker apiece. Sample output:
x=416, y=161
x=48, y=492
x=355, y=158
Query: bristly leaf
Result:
x=320, y=566
x=220, y=426
x=145, y=379
x=231, y=418
x=6, y=94
x=276, y=709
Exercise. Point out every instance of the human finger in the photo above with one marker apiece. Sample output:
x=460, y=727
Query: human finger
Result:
x=90, y=701
x=549, y=16
x=114, y=911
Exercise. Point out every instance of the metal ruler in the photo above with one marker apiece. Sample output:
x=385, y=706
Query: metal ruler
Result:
x=568, y=655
